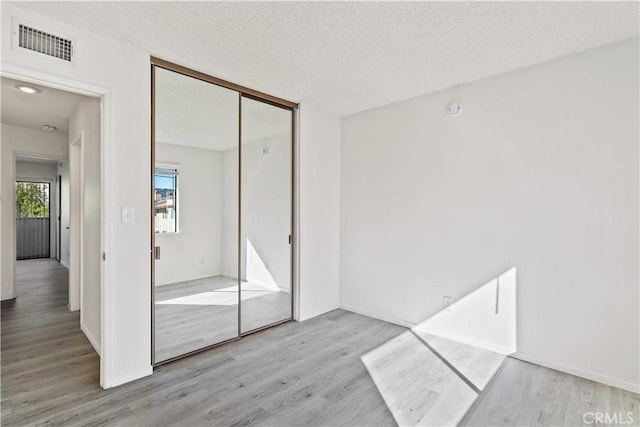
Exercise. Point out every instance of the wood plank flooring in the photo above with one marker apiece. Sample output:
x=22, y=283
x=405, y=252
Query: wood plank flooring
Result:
x=199, y=313
x=45, y=358
x=334, y=370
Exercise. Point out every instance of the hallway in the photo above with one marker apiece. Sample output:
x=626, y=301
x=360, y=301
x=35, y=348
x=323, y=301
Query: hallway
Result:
x=46, y=359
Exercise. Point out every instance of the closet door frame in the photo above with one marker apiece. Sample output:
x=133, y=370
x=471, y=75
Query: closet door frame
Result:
x=258, y=96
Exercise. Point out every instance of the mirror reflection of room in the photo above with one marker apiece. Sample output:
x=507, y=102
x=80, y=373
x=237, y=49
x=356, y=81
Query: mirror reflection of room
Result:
x=196, y=290
x=196, y=208
x=266, y=214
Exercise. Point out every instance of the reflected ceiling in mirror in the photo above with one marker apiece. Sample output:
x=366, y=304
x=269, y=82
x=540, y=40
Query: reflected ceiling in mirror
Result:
x=194, y=113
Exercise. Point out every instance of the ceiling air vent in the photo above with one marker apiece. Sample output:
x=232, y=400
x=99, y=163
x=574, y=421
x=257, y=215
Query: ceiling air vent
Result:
x=34, y=38
x=49, y=44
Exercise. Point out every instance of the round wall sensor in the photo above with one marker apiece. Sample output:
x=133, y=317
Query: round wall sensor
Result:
x=454, y=109
x=49, y=128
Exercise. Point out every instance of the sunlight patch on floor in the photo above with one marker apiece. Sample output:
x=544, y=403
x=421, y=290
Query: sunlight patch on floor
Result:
x=224, y=296
x=428, y=380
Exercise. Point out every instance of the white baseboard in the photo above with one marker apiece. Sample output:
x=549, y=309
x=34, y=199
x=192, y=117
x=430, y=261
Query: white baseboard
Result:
x=91, y=338
x=131, y=377
x=447, y=335
x=378, y=316
x=10, y=297
x=468, y=340
x=64, y=264
x=302, y=318
x=613, y=382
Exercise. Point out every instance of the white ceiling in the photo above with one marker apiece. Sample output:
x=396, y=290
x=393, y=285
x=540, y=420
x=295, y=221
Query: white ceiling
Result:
x=50, y=107
x=195, y=113
x=352, y=56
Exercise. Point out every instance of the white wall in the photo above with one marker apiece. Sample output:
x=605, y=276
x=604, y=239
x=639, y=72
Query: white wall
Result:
x=123, y=72
x=75, y=221
x=229, y=242
x=85, y=123
x=539, y=172
x=63, y=172
x=266, y=212
x=319, y=209
x=35, y=170
x=44, y=172
x=492, y=309
x=18, y=140
x=195, y=251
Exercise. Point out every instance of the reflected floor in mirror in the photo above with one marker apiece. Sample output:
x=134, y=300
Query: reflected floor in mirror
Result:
x=199, y=313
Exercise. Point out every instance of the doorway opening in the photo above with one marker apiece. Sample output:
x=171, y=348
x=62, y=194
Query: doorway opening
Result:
x=52, y=258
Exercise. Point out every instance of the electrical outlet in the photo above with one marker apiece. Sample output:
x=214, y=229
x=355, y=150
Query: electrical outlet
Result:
x=446, y=303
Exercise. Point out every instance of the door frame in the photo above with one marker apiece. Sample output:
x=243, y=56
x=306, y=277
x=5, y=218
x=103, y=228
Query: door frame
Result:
x=76, y=210
x=59, y=217
x=245, y=92
x=54, y=81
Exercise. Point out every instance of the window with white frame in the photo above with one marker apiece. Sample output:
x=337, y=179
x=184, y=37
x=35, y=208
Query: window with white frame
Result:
x=166, y=200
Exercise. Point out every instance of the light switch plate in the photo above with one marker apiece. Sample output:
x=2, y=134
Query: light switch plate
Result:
x=128, y=215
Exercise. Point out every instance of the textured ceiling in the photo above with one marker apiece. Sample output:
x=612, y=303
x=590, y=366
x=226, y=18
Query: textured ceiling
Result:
x=49, y=107
x=352, y=56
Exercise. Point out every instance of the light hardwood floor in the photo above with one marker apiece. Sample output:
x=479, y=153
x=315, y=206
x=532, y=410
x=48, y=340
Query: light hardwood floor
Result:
x=338, y=369
x=199, y=313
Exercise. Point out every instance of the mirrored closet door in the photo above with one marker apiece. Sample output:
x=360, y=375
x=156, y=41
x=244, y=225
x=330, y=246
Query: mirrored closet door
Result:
x=222, y=221
x=195, y=213
x=266, y=214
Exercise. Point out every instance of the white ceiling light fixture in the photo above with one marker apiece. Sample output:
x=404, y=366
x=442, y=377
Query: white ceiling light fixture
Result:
x=49, y=128
x=454, y=109
x=28, y=89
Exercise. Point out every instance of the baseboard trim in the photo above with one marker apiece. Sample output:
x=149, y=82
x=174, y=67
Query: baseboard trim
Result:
x=64, y=264
x=464, y=340
x=378, y=316
x=302, y=318
x=131, y=377
x=90, y=337
x=505, y=351
x=613, y=382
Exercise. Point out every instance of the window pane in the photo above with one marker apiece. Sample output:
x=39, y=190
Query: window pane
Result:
x=166, y=206
x=32, y=199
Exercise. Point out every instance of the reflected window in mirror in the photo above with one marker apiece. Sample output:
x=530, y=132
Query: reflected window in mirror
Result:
x=166, y=200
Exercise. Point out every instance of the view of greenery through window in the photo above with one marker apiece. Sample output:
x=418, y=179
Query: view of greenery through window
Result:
x=32, y=200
